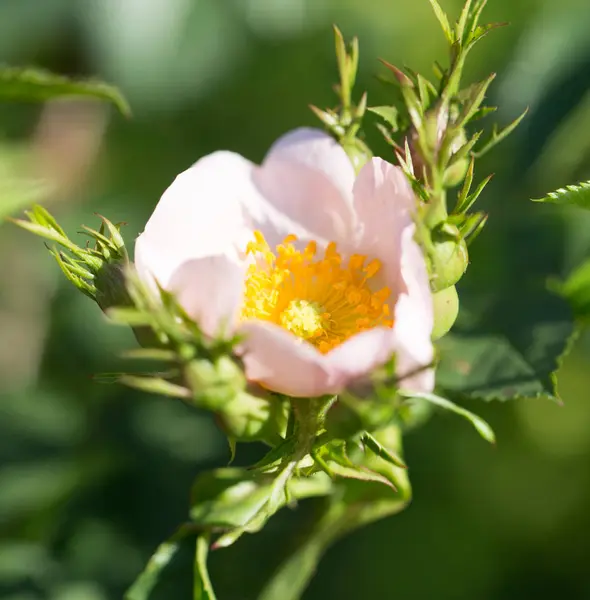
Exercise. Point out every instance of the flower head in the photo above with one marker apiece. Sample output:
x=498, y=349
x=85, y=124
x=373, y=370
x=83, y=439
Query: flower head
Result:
x=316, y=268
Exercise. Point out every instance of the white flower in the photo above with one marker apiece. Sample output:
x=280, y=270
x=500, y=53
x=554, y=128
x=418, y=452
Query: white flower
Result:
x=316, y=268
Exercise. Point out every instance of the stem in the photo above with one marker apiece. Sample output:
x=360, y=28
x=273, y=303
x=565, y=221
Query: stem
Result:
x=342, y=513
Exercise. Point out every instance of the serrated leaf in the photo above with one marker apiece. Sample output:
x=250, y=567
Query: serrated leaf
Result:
x=575, y=195
x=482, y=427
x=30, y=84
x=506, y=348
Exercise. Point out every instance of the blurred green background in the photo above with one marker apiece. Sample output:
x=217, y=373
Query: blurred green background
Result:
x=93, y=476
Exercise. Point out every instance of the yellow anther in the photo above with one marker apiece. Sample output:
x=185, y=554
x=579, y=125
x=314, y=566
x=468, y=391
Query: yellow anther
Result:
x=324, y=301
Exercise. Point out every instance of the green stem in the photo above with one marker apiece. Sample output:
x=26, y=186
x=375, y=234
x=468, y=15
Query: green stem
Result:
x=350, y=508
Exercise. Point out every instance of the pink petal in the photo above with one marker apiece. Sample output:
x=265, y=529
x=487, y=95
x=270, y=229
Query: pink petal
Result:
x=358, y=356
x=206, y=211
x=308, y=178
x=384, y=203
x=211, y=291
x=413, y=346
x=279, y=361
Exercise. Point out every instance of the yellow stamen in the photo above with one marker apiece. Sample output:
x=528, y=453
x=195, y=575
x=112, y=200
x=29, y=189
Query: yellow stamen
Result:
x=322, y=300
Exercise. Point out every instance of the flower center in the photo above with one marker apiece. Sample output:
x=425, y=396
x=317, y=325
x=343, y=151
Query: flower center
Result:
x=303, y=318
x=322, y=300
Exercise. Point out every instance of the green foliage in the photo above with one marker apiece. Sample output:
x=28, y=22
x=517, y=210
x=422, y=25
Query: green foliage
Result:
x=576, y=290
x=507, y=348
x=575, y=195
x=18, y=187
x=483, y=428
x=165, y=575
x=38, y=86
x=96, y=272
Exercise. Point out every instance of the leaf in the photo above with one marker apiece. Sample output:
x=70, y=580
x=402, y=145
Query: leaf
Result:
x=37, y=85
x=576, y=289
x=18, y=189
x=443, y=20
x=575, y=195
x=231, y=498
x=389, y=114
x=508, y=347
x=499, y=135
x=482, y=427
x=167, y=574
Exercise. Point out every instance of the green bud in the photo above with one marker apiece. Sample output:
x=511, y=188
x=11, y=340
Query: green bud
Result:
x=214, y=384
x=111, y=287
x=446, y=309
x=358, y=152
x=248, y=418
x=448, y=257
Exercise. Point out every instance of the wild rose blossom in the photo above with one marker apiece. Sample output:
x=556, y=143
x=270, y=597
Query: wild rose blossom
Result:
x=315, y=267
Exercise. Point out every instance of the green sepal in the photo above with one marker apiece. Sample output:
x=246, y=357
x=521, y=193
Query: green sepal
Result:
x=96, y=271
x=499, y=135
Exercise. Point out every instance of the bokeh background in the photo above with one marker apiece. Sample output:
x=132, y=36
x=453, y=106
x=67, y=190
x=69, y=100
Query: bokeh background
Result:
x=94, y=476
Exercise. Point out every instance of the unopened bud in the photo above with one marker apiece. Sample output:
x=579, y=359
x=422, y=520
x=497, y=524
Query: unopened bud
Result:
x=215, y=384
x=446, y=309
x=448, y=257
x=248, y=418
x=111, y=287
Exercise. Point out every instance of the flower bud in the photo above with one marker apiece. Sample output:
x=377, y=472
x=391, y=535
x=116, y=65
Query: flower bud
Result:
x=248, y=418
x=111, y=288
x=446, y=309
x=215, y=384
x=448, y=257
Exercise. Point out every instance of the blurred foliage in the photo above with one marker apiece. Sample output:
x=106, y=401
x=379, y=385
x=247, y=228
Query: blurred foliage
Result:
x=94, y=476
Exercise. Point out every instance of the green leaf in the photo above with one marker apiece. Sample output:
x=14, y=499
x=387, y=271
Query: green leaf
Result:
x=499, y=135
x=28, y=84
x=443, y=20
x=389, y=114
x=508, y=347
x=231, y=498
x=18, y=189
x=575, y=195
x=576, y=289
x=167, y=574
x=482, y=427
